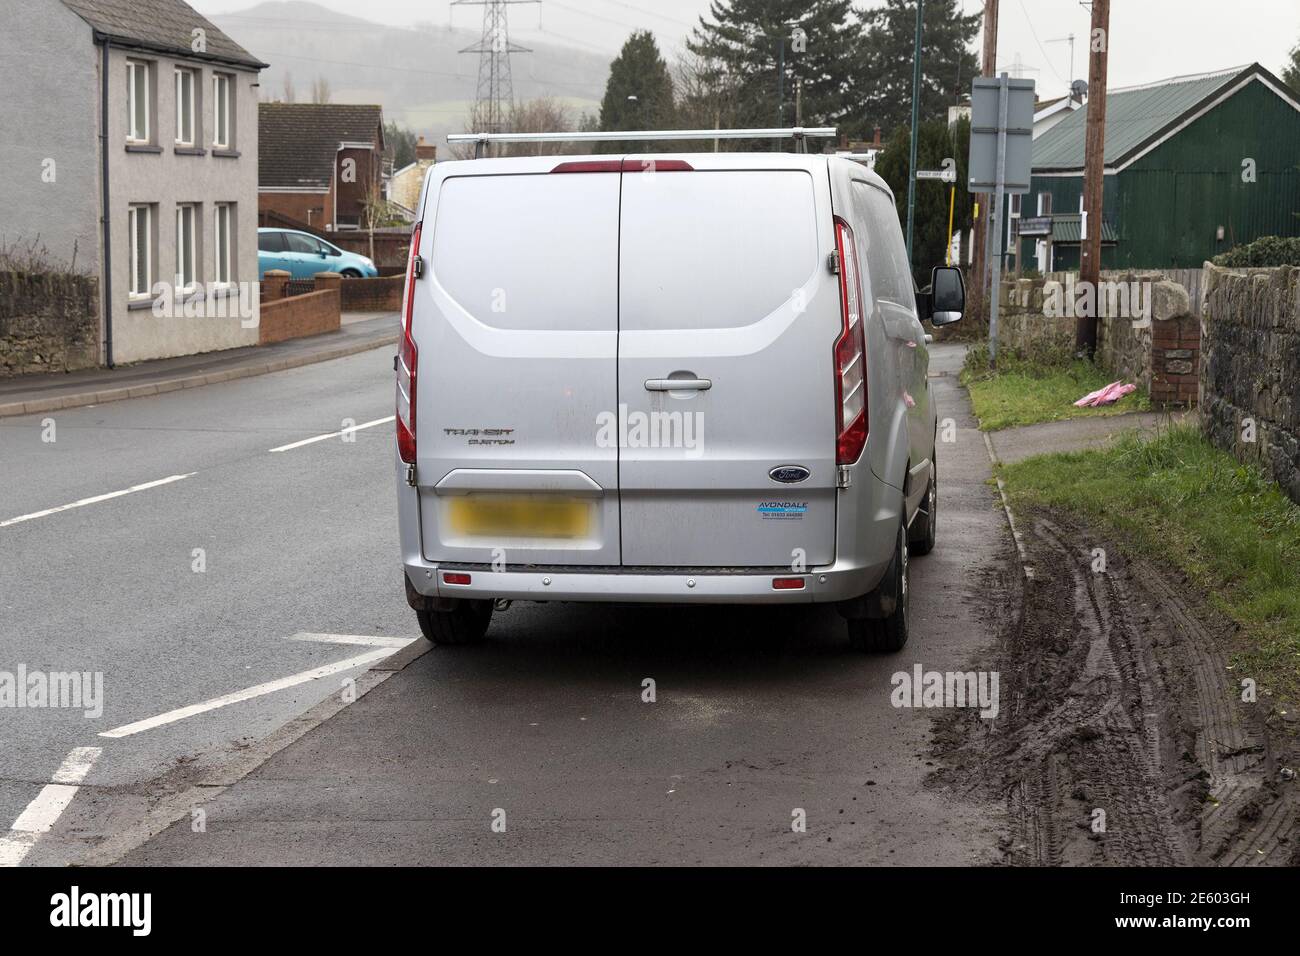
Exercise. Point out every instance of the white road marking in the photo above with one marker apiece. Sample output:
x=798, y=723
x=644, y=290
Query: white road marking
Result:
x=367, y=640
x=98, y=498
x=270, y=687
x=44, y=811
x=337, y=434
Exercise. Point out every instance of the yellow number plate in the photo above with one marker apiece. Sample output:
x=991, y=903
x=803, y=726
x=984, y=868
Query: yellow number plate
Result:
x=537, y=516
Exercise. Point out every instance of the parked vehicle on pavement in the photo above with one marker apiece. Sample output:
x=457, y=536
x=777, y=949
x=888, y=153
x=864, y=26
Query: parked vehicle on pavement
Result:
x=671, y=378
x=303, y=255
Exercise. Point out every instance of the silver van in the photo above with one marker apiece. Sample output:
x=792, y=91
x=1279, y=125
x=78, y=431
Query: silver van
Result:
x=673, y=378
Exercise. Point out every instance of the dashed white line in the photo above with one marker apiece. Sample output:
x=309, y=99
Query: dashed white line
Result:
x=44, y=811
x=337, y=434
x=96, y=499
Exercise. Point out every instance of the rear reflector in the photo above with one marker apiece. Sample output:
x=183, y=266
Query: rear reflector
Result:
x=455, y=577
x=646, y=165
x=787, y=584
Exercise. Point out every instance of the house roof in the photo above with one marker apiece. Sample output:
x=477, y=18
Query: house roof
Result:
x=165, y=26
x=297, y=142
x=1137, y=117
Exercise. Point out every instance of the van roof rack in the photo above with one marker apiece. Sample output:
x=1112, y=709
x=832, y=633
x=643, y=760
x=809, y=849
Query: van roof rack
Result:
x=798, y=133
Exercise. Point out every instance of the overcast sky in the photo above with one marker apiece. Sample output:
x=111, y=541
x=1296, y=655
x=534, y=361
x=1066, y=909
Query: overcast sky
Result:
x=1150, y=39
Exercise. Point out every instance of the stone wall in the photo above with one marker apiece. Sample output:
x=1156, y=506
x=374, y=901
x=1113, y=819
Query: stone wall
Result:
x=49, y=322
x=1250, y=376
x=1159, y=354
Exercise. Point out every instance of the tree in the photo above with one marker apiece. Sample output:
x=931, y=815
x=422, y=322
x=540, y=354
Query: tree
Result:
x=1291, y=69
x=320, y=90
x=399, y=144
x=935, y=143
x=287, y=94
x=638, y=93
x=545, y=114
x=739, y=52
x=885, y=61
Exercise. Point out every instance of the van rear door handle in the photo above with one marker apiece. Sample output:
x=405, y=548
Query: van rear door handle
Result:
x=677, y=384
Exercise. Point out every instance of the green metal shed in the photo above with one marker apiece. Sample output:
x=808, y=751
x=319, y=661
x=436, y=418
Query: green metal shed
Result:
x=1194, y=165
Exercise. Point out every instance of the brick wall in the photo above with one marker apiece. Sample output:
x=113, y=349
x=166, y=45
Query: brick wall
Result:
x=296, y=316
x=1250, y=373
x=1175, y=361
x=373, y=295
x=49, y=322
x=315, y=209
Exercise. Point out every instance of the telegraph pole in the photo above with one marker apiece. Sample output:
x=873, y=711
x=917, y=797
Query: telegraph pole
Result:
x=1085, y=326
x=916, y=113
x=979, y=242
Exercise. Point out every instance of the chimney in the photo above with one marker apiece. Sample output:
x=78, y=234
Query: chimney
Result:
x=425, y=151
x=875, y=141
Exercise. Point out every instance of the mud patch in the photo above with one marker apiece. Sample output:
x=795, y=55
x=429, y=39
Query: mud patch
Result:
x=1122, y=739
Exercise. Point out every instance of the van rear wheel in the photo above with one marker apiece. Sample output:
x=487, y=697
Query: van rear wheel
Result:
x=466, y=623
x=889, y=633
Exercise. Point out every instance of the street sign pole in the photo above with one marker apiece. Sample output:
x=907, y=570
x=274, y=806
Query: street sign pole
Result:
x=995, y=219
x=916, y=113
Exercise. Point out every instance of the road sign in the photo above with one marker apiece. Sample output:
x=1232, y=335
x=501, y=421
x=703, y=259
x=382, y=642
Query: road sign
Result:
x=1001, y=140
x=982, y=169
x=947, y=175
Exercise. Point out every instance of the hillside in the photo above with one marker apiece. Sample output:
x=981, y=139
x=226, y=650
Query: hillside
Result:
x=416, y=74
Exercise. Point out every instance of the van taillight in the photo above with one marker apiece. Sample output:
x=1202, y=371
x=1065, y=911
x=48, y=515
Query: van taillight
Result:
x=850, y=355
x=406, y=361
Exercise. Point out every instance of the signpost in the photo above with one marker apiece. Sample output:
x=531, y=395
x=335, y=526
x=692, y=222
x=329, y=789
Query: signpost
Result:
x=948, y=175
x=1001, y=141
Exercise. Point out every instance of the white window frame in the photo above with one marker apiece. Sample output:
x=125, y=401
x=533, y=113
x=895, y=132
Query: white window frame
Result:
x=136, y=68
x=183, y=73
x=192, y=243
x=221, y=138
x=1044, y=208
x=223, y=245
x=134, y=212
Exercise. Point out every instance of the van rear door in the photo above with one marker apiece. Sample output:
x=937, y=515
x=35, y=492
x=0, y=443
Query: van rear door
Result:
x=515, y=324
x=728, y=315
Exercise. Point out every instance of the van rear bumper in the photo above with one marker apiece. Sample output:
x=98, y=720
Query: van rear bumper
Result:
x=837, y=582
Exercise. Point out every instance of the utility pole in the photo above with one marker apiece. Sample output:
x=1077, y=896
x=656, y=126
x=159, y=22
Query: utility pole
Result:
x=979, y=242
x=1094, y=154
x=916, y=114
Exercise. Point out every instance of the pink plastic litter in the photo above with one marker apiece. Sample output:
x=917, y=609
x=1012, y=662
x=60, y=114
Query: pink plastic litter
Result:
x=1106, y=396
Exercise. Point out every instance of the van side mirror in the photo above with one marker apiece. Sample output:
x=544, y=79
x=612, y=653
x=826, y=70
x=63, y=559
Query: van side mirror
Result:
x=947, y=295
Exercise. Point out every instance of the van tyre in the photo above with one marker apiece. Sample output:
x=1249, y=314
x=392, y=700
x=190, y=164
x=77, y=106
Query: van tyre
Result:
x=926, y=523
x=888, y=633
x=466, y=623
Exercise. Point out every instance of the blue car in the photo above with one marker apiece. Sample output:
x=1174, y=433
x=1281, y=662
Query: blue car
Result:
x=302, y=255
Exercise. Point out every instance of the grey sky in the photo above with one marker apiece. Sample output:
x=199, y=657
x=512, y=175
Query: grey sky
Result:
x=1150, y=39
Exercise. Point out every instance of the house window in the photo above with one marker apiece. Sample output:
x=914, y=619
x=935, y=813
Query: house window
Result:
x=187, y=215
x=224, y=219
x=1044, y=204
x=221, y=93
x=140, y=250
x=185, y=83
x=137, y=101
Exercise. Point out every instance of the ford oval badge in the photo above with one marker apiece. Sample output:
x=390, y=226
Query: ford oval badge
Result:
x=789, y=474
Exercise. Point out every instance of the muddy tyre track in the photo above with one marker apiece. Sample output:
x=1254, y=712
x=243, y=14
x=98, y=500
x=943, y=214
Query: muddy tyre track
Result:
x=1122, y=739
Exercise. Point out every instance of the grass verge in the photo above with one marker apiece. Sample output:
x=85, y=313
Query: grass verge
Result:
x=1026, y=391
x=1181, y=500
